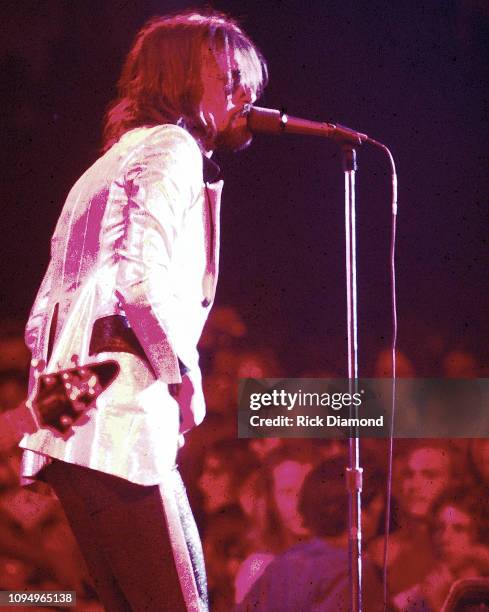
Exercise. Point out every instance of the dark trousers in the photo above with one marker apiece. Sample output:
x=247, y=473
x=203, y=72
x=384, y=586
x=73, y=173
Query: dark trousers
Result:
x=122, y=532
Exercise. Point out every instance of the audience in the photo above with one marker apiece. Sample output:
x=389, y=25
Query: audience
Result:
x=423, y=471
x=271, y=498
x=273, y=512
x=313, y=574
x=458, y=520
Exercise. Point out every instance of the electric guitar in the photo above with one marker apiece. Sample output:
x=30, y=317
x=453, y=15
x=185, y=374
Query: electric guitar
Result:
x=60, y=400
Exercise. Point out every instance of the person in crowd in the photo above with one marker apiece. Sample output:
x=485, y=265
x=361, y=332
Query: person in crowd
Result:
x=262, y=447
x=266, y=535
x=226, y=465
x=270, y=497
x=225, y=548
x=423, y=471
x=460, y=517
x=289, y=470
x=313, y=574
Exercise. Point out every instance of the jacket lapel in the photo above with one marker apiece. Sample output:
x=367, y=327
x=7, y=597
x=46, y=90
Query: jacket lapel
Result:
x=211, y=214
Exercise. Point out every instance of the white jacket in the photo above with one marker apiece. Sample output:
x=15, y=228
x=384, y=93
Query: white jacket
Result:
x=139, y=237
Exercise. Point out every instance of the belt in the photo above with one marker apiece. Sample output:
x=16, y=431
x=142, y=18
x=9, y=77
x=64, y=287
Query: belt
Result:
x=113, y=334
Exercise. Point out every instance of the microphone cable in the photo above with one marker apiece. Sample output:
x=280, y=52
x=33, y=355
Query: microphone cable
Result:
x=394, y=362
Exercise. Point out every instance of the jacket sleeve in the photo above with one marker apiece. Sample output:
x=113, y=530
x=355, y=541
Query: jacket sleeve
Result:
x=39, y=322
x=160, y=184
x=38, y=315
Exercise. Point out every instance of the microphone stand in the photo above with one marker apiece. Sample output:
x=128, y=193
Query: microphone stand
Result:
x=354, y=471
x=271, y=121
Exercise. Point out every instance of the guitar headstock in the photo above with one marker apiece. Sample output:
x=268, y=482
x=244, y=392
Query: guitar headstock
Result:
x=63, y=397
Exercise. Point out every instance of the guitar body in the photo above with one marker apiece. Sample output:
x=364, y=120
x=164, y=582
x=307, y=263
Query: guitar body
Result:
x=61, y=400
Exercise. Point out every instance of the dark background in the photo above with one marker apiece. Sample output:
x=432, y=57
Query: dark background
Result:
x=411, y=74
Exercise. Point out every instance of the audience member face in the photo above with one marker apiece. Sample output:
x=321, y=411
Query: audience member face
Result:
x=220, y=392
x=288, y=478
x=257, y=364
x=252, y=502
x=423, y=478
x=454, y=534
x=263, y=446
x=14, y=574
x=215, y=484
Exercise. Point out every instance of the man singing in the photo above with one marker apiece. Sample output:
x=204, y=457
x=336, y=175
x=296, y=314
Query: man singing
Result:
x=132, y=276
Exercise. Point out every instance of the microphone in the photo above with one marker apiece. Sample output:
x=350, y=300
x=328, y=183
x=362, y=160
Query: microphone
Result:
x=271, y=121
